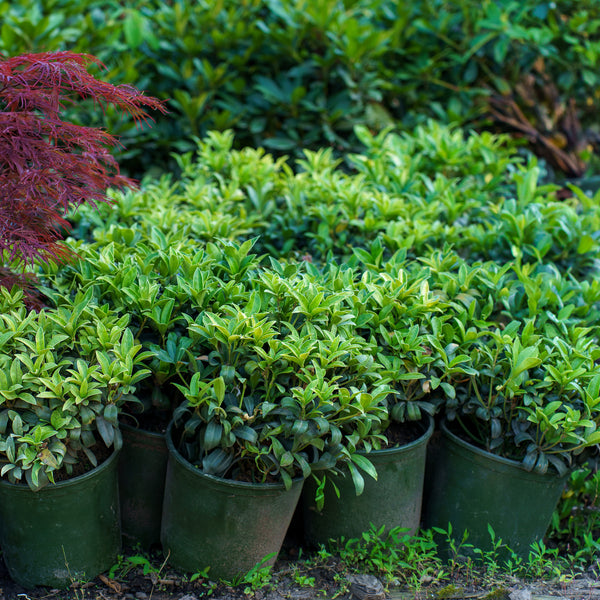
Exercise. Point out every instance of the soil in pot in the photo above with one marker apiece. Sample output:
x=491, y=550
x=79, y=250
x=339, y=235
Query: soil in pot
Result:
x=394, y=500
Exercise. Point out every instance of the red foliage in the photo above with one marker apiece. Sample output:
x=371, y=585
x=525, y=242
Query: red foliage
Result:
x=49, y=166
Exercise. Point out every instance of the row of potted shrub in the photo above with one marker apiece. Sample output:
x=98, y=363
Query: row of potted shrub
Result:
x=266, y=400
x=278, y=371
x=281, y=368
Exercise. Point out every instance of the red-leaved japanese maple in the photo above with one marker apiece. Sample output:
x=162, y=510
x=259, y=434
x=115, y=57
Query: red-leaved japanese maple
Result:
x=49, y=166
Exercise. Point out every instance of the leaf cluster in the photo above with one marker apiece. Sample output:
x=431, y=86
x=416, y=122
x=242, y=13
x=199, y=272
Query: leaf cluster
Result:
x=412, y=193
x=64, y=374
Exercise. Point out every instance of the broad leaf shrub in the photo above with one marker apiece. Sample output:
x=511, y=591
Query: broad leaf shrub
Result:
x=64, y=374
x=521, y=383
x=156, y=280
x=291, y=76
x=474, y=288
x=525, y=388
x=277, y=404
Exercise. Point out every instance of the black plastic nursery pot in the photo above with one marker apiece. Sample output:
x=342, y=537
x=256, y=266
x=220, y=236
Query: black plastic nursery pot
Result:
x=63, y=532
x=394, y=500
x=471, y=488
x=142, y=471
x=226, y=525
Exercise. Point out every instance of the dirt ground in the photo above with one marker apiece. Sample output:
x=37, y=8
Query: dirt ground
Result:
x=294, y=580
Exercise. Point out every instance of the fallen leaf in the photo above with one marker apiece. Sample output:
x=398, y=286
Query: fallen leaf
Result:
x=115, y=586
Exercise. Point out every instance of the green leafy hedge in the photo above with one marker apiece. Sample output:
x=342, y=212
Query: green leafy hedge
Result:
x=296, y=75
x=410, y=193
x=454, y=278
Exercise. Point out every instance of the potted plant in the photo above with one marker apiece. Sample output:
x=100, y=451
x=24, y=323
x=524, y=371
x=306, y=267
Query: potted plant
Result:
x=525, y=408
x=161, y=282
x=280, y=394
x=64, y=374
x=392, y=308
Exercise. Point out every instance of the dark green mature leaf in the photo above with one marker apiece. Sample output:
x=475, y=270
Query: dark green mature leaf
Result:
x=216, y=463
x=357, y=479
x=212, y=435
x=106, y=430
x=246, y=433
x=365, y=465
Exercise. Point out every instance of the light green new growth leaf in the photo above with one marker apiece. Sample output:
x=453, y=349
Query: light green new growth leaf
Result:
x=524, y=359
x=219, y=387
x=365, y=464
x=357, y=478
x=586, y=244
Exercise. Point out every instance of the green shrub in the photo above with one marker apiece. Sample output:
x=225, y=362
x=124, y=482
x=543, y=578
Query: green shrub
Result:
x=412, y=193
x=295, y=75
x=65, y=373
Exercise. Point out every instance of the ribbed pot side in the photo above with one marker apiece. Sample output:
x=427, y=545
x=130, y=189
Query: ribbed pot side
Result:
x=394, y=500
x=142, y=471
x=471, y=488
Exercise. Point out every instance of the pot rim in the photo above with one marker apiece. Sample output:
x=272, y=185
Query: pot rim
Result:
x=509, y=462
x=67, y=482
x=422, y=439
x=246, y=485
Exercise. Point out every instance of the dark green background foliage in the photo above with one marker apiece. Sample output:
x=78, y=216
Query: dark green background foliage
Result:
x=292, y=75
